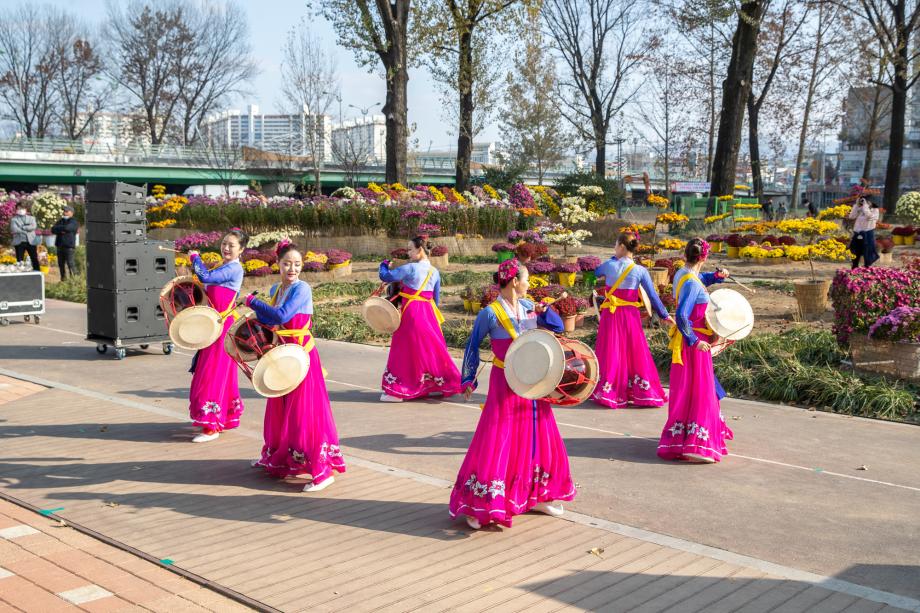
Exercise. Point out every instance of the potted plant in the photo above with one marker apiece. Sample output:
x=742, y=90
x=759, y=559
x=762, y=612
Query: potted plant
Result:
x=892, y=346
x=488, y=296
x=567, y=273
x=581, y=307
x=735, y=242
x=527, y=252
x=811, y=294
x=438, y=256
x=900, y=233
x=567, y=308
x=400, y=254
x=572, y=212
x=715, y=242
x=467, y=295
x=339, y=262
x=505, y=251
x=315, y=272
x=588, y=264
x=885, y=246
x=541, y=269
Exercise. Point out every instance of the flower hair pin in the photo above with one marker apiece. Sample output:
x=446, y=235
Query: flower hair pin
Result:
x=284, y=242
x=508, y=270
x=704, y=250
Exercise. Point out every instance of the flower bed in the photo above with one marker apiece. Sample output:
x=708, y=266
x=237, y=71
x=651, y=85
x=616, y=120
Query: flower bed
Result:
x=862, y=296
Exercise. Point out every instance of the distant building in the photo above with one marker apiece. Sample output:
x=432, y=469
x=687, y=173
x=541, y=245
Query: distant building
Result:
x=115, y=130
x=289, y=134
x=365, y=137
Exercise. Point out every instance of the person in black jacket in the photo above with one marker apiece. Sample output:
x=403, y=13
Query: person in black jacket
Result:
x=65, y=231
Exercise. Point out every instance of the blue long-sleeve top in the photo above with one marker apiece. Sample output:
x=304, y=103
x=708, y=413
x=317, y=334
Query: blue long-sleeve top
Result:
x=637, y=277
x=411, y=276
x=691, y=294
x=228, y=275
x=298, y=300
x=487, y=324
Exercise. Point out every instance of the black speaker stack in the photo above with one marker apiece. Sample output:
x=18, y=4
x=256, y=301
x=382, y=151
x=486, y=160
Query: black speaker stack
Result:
x=125, y=272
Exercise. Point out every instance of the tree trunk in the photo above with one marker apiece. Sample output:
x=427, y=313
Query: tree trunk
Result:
x=898, y=114
x=754, y=145
x=600, y=158
x=870, y=135
x=736, y=88
x=465, y=89
x=809, y=100
x=396, y=110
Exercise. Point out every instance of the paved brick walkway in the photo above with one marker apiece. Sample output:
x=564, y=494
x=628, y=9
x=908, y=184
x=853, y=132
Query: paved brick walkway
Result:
x=46, y=565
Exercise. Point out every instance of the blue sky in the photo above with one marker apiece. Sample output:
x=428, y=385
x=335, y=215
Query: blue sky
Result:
x=269, y=21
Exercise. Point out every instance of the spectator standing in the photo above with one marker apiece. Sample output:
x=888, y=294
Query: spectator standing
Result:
x=811, y=206
x=22, y=227
x=65, y=231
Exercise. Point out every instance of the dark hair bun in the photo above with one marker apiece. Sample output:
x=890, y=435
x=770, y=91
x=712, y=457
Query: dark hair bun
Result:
x=694, y=250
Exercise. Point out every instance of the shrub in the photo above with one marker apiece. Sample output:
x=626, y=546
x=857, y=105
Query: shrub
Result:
x=735, y=240
x=900, y=325
x=502, y=247
x=400, y=254
x=566, y=268
x=439, y=250
x=861, y=296
x=540, y=267
x=588, y=263
x=314, y=267
x=566, y=307
x=337, y=256
x=527, y=251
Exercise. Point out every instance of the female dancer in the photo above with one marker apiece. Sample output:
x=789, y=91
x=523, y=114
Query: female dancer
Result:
x=695, y=429
x=214, y=399
x=627, y=370
x=517, y=460
x=419, y=364
x=299, y=431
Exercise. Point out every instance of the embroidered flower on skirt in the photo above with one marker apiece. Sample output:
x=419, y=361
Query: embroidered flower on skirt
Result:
x=210, y=407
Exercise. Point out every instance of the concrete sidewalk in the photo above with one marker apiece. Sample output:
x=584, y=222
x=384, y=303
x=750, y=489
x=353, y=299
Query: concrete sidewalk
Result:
x=762, y=530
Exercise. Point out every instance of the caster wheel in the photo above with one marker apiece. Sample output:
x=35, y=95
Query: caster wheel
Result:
x=102, y=348
x=4, y=321
x=120, y=354
x=144, y=346
x=27, y=318
x=167, y=348
x=38, y=319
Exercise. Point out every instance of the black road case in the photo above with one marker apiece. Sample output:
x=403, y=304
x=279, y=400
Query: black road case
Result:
x=22, y=294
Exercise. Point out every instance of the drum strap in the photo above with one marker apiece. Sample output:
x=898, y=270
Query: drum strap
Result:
x=417, y=296
x=505, y=322
x=230, y=310
x=611, y=302
x=300, y=334
x=677, y=339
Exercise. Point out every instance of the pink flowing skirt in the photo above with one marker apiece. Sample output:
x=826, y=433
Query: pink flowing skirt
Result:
x=299, y=432
x=627, y=370
x=516, y=459
x=695, y=423
x=214, y=398
x=418, y=363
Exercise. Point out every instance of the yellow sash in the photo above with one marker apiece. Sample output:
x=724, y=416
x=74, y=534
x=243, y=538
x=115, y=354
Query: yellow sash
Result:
x=417, y=296
x=230, y=310
x=505, y=322
x=611, y=302
x=674, y=334
x=299, y=333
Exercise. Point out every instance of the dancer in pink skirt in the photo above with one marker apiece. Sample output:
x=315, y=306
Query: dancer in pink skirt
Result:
x=214, y=399
x=695, y=429
x=517, y=461
x=419, y=364
x=299, y=432
x=627, y=370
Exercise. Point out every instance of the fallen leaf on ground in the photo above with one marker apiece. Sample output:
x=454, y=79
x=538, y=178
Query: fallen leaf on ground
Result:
x=60, y=524
x=862, y=467
x=110, y=504
x=597, y=551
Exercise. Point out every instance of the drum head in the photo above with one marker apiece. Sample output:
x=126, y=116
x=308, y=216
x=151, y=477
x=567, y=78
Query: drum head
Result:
x=280, y=370
x=534, y=364
x=580, y=360
x=645, y=301
x=729, y=314
x=195, y=327
x=190, y=295
x=247, y=339
x=381, y=315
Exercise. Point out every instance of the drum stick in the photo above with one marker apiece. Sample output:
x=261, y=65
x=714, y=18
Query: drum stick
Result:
x=734, y=280
x=162, y=248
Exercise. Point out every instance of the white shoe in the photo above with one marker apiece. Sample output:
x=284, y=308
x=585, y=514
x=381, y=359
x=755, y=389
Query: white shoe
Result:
x=204, y=438
x=387, y=398
x=549, y=509
x=255, y=463
x=318, y=487
x=473, y=523
x=699, y=459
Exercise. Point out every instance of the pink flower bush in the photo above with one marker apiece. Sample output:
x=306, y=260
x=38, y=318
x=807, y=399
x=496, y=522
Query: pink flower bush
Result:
x=588, y=263
x=198, y=240
x=520, y=197
x=861, y=297
x=900, y=325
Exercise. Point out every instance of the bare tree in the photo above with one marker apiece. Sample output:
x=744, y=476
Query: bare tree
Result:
x=601, y=44
x=78, y=78
x=27, y=68
x=309, y=86
x=226, y=165
x=735, y=91
x=352, y=153
x=380, y=29
x=778, y=30
x=146, y=50
x=531, y=122
x=217, y=65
